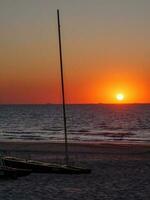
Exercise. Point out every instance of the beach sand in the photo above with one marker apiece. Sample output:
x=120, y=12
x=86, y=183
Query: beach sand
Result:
x=119, y=172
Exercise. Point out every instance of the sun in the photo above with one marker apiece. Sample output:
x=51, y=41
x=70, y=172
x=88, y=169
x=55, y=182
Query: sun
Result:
x=120, y=96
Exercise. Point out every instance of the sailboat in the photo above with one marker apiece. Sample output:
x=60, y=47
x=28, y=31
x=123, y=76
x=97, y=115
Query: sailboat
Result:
x=43, y=167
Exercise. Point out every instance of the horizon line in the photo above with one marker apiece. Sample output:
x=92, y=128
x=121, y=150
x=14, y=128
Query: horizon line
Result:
x=3, y=104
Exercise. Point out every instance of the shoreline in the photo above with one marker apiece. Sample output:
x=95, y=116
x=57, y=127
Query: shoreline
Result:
x=81, y=143
x=48, y=144
x=79, y=151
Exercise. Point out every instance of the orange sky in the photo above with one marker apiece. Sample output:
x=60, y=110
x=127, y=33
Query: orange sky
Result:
x=106, y=51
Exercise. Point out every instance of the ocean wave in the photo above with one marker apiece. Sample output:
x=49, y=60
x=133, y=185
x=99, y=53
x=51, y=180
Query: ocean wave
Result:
x=84, y=123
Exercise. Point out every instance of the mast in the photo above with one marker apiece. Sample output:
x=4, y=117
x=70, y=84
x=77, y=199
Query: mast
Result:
x=63, y=90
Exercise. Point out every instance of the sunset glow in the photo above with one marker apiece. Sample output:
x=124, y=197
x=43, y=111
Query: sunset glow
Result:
x=105, y=52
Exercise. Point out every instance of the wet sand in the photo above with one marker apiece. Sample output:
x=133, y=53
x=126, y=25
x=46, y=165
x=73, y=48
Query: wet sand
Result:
x=119, y=172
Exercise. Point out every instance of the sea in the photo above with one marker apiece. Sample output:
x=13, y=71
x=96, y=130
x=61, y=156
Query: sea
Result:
x=90, y=123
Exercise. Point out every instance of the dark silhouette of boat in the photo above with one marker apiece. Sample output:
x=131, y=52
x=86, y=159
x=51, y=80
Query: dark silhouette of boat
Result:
x=43, y=167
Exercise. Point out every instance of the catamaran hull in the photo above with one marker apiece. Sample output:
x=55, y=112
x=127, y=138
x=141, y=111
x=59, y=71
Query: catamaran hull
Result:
x=42, y=167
